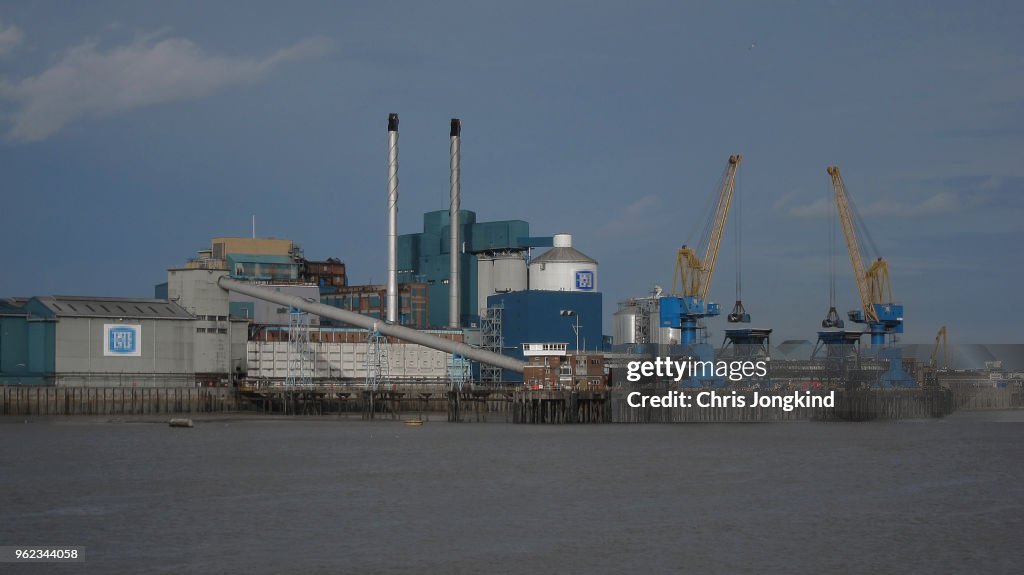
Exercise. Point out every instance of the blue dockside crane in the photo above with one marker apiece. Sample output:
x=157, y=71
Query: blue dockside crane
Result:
x=688, y=305
x=883, y=317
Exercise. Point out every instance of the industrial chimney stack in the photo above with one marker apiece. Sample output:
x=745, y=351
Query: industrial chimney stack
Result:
x=392, y=296
x=454, y=307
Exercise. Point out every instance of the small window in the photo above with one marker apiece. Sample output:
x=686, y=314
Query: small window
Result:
x=222, y=318
x=222, y=330
x=200, y=330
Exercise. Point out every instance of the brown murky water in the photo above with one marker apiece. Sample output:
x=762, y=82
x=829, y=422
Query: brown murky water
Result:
x=346, y=496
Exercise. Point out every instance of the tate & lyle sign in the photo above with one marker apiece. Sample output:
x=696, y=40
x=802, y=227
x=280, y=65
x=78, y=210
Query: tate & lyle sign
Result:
x=122, y=340
x=585, y=280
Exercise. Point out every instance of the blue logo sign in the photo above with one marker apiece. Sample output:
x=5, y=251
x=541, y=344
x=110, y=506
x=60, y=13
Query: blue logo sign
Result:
x=122, y=340
x=585, y=280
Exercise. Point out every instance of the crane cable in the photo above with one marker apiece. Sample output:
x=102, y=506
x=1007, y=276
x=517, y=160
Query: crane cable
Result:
x=862, y=229
x=706, y=221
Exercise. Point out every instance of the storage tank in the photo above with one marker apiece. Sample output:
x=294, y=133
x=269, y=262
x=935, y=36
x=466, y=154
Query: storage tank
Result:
x=638, y=321
x=499, y=272
x=563, y=268
x=625, y=325
x=510, y=272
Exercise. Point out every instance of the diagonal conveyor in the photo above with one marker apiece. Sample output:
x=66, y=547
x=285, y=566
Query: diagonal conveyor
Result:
x=358, y=320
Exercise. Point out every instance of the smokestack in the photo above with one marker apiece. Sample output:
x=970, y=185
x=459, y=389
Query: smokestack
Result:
x=453, y=217
x=392, y=298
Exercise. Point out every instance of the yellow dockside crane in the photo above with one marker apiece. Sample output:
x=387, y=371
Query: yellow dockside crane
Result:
x=878, y=310
x=692, y=277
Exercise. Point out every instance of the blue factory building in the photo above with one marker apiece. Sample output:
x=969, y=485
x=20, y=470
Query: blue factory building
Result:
x=536, y=316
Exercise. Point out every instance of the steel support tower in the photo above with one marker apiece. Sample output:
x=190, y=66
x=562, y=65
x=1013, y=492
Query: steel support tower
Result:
x=300, y=364
x=377, y=356
x=493, y=340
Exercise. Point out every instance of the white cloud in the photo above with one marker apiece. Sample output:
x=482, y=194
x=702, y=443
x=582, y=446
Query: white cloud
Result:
x=938, y=203
x=90, y=82
x=636, y=218
x=818, y=208
x=642, y=206
x=10, y=38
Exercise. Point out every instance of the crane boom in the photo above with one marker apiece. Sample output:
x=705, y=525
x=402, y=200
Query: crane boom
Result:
x=856, y=257
x=718, y=229
x=693, y=274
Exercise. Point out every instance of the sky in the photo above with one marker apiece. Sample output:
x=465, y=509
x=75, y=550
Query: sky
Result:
x=133, y=132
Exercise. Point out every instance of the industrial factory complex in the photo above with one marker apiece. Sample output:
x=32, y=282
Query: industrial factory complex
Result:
x=466, y=302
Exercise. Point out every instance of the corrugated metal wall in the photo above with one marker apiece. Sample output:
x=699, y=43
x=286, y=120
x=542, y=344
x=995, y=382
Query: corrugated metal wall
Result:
x=269, y=360
x=166, y=347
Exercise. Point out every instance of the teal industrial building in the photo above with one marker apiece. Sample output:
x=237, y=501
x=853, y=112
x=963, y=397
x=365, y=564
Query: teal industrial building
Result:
x=26, y=348
x=425, y=257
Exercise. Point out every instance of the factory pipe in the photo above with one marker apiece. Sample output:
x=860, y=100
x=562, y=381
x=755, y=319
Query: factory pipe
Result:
x=397, y=331
x=455, y=149
x=392, y=295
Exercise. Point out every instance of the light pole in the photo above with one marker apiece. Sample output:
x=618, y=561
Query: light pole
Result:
x=575, y=326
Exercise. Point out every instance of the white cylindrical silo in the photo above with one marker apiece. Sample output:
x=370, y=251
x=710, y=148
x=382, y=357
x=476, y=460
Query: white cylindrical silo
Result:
x=484, y=281
x=499, y=272
x=625, y=325
x=563, y=268
x=509, y=272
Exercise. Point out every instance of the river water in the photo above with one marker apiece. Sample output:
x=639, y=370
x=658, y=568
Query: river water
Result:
x=251, y=495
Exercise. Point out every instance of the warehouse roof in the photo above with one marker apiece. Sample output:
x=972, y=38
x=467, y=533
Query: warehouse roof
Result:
x=77, y=306
x=12, y=306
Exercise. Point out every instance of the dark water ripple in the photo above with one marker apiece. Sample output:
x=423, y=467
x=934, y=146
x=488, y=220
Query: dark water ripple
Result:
x=330, y=496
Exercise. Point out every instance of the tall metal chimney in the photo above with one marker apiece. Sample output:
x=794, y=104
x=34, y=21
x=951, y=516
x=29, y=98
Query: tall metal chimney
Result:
x=392, y=297
x=453, y=217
